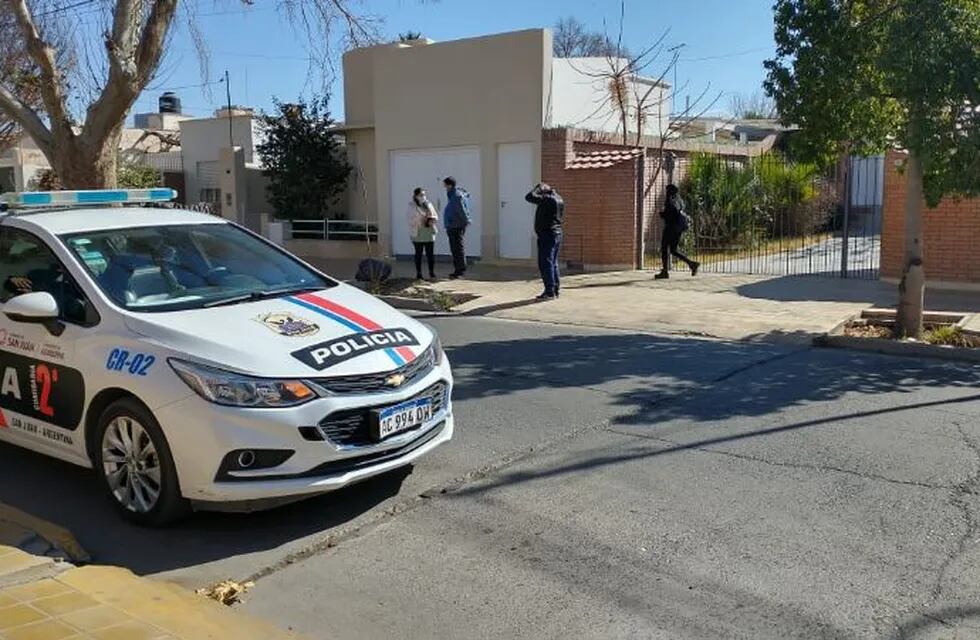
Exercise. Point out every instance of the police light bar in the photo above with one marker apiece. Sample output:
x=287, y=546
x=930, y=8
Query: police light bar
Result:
x=30, y=199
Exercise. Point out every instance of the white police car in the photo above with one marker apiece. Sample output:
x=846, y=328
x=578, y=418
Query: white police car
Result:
x=193, y=363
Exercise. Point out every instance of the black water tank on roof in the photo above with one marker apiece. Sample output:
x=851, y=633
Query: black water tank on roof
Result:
x=169, y=103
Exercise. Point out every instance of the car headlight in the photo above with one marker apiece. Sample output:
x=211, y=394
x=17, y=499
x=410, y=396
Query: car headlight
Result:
x=436, y=348
x=236, y=390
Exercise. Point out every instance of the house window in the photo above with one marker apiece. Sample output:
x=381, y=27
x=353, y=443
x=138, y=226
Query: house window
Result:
x=209, y=194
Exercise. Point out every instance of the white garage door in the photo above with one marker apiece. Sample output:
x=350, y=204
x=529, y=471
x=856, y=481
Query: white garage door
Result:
x=426, y=168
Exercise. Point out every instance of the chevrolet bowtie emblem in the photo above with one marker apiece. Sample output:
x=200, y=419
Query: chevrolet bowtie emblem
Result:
x=394, y=380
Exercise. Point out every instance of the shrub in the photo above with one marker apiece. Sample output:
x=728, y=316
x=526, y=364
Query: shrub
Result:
x=132, y=176
x=742, y=203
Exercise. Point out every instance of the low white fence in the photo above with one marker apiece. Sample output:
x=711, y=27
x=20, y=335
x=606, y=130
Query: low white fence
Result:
x=334, y=230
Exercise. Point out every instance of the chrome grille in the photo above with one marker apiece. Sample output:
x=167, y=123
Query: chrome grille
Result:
x=350, y=428
x=375, y=382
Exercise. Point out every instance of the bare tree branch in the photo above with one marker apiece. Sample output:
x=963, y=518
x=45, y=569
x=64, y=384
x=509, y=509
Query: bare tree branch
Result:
x=27, y=118
x=40, y=51
x=132, y=62
x=52, y=82
x=573, y=40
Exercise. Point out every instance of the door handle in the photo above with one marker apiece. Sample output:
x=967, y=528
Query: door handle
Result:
x=503, y=203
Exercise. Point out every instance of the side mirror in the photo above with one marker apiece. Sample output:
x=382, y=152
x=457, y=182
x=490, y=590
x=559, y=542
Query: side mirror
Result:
x=37, y=307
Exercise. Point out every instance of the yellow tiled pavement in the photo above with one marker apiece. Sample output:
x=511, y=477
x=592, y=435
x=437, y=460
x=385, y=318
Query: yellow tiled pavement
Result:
x=109, y=603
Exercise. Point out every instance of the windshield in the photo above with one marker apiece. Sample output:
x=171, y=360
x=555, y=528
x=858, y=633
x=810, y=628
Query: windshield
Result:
x=174, y=267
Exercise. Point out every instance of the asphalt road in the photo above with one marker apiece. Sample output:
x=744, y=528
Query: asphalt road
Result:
x=613, y=485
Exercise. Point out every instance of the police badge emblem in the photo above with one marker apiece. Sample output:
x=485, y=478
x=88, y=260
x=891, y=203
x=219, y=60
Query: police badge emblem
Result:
x=288, y=325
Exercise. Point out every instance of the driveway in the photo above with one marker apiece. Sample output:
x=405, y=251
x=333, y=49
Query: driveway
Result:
x=610, y=484
x=823, y=258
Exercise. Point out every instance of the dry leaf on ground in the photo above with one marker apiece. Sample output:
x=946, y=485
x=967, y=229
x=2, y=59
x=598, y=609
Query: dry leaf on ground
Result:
x=227, y=592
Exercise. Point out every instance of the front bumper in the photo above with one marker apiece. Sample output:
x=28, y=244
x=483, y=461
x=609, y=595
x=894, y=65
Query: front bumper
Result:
x=201, y=434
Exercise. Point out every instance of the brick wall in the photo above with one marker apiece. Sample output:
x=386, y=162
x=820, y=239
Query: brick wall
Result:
x=600, y=204
x=600, y=218
x=950, y=233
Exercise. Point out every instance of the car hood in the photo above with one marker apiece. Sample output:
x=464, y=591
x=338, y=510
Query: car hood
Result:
x=332, y=332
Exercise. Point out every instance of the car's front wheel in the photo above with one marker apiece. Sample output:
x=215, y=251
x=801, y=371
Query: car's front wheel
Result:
x=136, y=466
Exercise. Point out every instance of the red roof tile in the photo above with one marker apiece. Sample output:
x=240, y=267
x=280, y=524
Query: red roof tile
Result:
x=603, y=159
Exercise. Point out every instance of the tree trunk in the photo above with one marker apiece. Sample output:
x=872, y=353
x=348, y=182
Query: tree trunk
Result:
x=911, y=290
x=83, y=163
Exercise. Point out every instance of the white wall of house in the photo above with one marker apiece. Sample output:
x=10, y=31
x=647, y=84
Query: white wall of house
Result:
x=201, y=143
x=160, y=121
x=581, y=97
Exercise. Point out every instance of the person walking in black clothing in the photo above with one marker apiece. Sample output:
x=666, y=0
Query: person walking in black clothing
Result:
x=675, y=224
x=548, y=219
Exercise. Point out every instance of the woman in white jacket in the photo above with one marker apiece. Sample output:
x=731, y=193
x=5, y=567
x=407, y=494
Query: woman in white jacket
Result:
x=422, y=219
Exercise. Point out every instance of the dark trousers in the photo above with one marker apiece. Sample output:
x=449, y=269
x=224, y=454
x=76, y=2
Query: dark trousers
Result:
x=548, y=246
x=669, y=241
x=430, y=254
x=457, y=247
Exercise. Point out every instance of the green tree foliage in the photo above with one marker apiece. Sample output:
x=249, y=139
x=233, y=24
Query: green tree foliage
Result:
x=128, y=176
x=134, y=176
x=304, y=159
x=859, y=76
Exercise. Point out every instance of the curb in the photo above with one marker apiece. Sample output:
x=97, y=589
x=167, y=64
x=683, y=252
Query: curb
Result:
x=60, y=541
x=898, y=348
x=20, y=567
x=835, y=339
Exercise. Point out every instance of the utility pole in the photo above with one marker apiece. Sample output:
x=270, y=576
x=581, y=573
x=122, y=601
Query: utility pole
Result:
x=231, y=136
x=676, y=58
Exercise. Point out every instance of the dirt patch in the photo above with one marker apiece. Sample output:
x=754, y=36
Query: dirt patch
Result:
x=419, y=290
x=862, y=330
x=941, y=334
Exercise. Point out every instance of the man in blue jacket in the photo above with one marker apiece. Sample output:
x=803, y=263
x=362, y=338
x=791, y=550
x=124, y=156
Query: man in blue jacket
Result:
x=456, y=218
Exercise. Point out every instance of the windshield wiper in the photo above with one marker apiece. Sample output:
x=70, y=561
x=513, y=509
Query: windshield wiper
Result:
x=252, y=296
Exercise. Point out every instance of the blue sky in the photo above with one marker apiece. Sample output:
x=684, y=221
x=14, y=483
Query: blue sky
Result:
x=725, y=43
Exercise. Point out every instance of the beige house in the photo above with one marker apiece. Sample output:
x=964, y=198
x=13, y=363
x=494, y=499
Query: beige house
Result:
x=474, y=109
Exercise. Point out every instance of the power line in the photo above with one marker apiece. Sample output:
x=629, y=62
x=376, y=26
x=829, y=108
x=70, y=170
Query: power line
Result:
x=186, y=86
x=722, y=56
x=242, y=11
x=67, y=7
x=260, y=56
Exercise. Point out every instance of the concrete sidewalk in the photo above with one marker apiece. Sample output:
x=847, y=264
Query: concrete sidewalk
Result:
x=734, y=307
x=44, y=599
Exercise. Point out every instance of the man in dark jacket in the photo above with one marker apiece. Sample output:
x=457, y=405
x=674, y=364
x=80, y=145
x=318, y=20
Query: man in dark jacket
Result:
x=548, y=219
x=675, y=224
x=455, y=219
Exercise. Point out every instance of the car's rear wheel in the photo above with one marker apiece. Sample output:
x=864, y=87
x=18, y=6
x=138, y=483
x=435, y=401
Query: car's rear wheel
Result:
x=136, y=466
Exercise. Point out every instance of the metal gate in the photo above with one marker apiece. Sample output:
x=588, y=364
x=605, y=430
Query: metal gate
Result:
x=768, y=215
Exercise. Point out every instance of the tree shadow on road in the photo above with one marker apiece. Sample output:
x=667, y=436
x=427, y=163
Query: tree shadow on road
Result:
x=72, y=497
x=653, y=381
x=938, y=623
x=638, y=373
x=645, y=380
